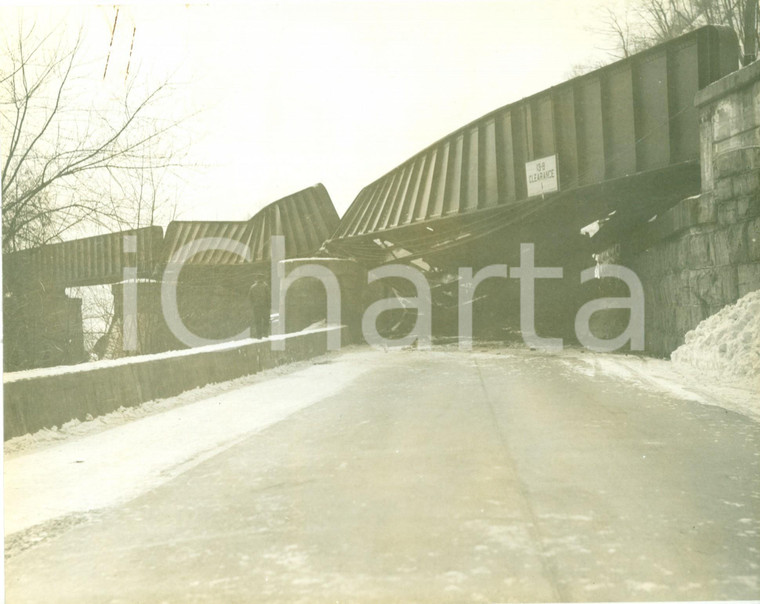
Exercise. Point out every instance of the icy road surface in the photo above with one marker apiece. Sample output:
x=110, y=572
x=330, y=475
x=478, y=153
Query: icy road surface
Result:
x=498, y=475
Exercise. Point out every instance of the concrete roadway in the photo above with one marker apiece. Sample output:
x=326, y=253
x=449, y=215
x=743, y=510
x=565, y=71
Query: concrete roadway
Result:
x=492, y=476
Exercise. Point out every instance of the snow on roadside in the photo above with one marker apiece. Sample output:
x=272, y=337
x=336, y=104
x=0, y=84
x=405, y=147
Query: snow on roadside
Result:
x=726, y=343
x=719, y=364
x=121, y=462
x=659, y=375
x=28, y=374
x=79, y=429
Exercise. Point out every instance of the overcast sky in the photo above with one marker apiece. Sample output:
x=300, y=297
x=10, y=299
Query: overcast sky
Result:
x=295, y=93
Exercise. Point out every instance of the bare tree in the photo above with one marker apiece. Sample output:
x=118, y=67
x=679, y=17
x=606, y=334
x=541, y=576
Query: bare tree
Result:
x=76, y=156
x=649, y=22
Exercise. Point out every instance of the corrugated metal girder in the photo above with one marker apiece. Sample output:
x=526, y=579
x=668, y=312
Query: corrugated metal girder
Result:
x=636, y=115
x=82, y=262
x=306, y=219
x=183, y=235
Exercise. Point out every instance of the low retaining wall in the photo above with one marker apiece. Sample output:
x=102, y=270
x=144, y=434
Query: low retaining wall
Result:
x=43, y=398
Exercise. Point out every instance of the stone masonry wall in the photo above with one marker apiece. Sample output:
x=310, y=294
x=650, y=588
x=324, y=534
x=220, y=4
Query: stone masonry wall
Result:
x=704, y=252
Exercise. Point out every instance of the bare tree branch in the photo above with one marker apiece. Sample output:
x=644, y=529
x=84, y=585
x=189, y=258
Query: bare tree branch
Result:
x=649, y=22
x=73, y=161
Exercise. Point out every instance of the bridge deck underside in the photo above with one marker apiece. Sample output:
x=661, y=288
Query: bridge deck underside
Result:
x=487, y=236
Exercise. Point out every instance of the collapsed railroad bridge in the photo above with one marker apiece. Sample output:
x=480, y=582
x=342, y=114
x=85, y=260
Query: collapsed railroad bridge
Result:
x=219, y=262
x=656, y=158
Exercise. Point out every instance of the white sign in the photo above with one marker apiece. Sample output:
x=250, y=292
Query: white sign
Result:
x=542, y=176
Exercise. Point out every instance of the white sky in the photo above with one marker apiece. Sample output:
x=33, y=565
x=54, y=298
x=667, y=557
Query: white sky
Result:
x=295, y=93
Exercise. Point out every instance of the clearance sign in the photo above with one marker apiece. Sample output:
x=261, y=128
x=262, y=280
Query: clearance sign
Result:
x=542, y=176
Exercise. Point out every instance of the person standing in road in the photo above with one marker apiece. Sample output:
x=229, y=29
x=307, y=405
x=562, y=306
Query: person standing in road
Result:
x=258, y=295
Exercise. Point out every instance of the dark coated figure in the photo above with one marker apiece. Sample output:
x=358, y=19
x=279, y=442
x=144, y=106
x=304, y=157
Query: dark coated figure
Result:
x=259, y=297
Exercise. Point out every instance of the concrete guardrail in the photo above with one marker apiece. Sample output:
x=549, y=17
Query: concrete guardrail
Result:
x=43, y=398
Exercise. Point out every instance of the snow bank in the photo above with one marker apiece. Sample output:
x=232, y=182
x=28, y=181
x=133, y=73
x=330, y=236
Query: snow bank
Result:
x=727, y=343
